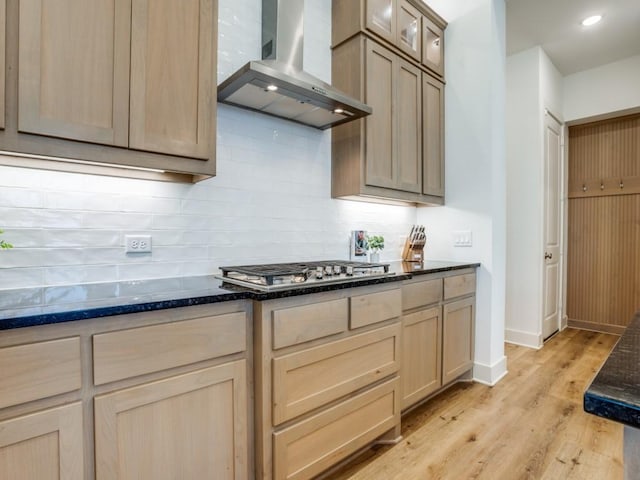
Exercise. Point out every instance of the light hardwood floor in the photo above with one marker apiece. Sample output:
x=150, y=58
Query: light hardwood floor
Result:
x=531, y=425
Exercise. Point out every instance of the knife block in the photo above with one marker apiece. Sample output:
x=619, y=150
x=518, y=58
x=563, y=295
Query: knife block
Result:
x=412, y=253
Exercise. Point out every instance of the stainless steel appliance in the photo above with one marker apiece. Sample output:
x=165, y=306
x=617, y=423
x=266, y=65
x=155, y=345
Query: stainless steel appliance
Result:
x=277, y=85
x=281, y=276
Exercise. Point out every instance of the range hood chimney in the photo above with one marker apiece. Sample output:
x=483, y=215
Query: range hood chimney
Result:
x=278, y=86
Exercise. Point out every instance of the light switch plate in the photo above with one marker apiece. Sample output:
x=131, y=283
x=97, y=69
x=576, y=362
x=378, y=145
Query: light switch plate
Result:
x=462, y=238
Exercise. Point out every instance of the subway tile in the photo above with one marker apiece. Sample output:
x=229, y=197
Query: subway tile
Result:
x=80, y=274
x=20, y=297
x=20, y=197
x=22, y=277
x=80, y=293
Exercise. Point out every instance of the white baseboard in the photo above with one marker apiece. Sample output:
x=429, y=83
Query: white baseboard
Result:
x=490, y=374
x=525, y=339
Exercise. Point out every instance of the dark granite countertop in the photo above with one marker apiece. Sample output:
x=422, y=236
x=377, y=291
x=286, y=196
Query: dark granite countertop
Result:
x=57, y=304
x=615, y=391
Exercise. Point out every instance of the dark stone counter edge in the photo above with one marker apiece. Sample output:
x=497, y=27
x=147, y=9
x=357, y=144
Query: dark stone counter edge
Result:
x=612, y=409
x=234, y=293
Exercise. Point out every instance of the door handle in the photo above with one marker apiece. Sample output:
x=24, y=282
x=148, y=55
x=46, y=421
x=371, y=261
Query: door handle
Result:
x=548, y=256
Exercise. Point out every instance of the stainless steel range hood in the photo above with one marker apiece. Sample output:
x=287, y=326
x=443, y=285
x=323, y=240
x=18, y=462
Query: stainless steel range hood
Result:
x=278, y=86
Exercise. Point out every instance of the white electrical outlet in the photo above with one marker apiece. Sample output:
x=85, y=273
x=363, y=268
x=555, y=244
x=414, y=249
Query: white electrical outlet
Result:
x=137, y=243
x=462, y=238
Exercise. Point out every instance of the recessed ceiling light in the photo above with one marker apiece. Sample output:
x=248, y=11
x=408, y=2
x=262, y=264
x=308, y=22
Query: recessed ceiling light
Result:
x=272, y=88
x=592, y=20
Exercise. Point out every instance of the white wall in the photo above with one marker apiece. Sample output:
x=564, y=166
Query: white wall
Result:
x=610, y=88
x=524, y=207
x=270, y=201
x=475, y=166
x=533, y=86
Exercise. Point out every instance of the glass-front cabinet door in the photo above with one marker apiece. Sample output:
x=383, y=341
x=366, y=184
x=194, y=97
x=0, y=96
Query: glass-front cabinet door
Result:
x=381, y=18
x=433, y=46
x=409, y=29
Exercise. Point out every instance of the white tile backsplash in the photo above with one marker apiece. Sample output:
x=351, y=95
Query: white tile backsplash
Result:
x=270, y=201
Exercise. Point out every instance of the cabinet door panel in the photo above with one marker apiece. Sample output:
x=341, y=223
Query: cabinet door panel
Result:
x=409, y=121
x=421, y=355
x=172, y=74
x=380, y=127
x=189, y=426
x=433, y=136
x=432, y=46
x=409, y=30
x=311, y=378
x=457, y=338
x=74, y=69
x=380, y=18
x=45, y=445
x=305, y=449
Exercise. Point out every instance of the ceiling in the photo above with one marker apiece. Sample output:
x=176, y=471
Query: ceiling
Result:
x=555, y=26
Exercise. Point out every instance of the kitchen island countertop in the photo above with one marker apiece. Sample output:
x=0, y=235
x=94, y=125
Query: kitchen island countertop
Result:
x=56, y=304
x=615, y=391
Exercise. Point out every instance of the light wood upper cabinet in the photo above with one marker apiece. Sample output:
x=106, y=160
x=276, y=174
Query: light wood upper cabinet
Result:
x=409, y=38
x=393, y=130
x=433, y=46
x=432, y=136
x=396, y=21
x=381, y=128
x=409, y=26
x=74, y=69
x=127, y=83
x=381, y=155
x=380, y=18
x=45, y=445
x=396, y=154
x=409, y=127
x=172, y=76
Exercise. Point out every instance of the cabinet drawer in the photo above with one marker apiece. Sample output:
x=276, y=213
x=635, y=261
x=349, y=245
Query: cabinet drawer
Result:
x=375, y=307
x=459, y=285
x=308, y=322
x=309, y=447
x=127, y=353
x=311, y=378
x=39, y=370
x=420, y=294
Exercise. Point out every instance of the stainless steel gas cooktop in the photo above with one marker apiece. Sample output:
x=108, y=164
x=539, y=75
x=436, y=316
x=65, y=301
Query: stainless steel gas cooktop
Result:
x=281, y=276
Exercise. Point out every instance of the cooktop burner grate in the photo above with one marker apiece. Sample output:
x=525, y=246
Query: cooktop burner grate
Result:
x=283, y=275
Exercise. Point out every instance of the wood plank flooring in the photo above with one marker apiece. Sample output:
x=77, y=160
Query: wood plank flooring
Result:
x=531, y=425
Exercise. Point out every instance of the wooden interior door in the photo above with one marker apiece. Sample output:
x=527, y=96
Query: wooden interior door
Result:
x=552, y=279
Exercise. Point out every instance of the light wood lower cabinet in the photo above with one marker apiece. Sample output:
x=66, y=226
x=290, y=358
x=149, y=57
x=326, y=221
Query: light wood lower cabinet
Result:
x=180, y=411
x=421, y=355
x=313, y=445
x=43, y=445
x=438, y=333
x=457, y=338
x=188, y=426
x=332, y=390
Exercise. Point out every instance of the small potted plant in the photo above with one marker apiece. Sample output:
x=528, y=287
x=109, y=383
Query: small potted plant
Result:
x=4, y=245
x=376, y=245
